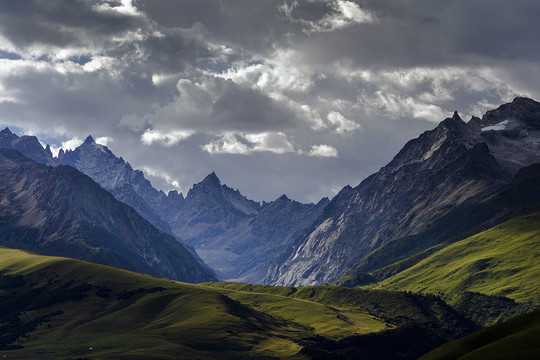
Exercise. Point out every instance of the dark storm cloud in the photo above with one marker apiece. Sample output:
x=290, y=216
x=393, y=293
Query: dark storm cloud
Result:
x=431, y=33
x=61, y=23
x=283, y=96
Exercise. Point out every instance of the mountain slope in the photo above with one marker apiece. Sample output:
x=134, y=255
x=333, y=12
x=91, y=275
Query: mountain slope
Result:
x=424, y=181
x=59, y=210
x=501, y=261
x=521, y=196
x=431, y=175
x=513, y=339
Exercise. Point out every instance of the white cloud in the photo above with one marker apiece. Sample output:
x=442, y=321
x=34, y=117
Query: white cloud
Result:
x=168, y=139
x=342, y=15
x=323, y=151
x=276, y=142
x=162, y=175
x=341, y=124
x=72, y=143
x=397, y=106
x=227, y=144
x=126, y=8
x=104, y=140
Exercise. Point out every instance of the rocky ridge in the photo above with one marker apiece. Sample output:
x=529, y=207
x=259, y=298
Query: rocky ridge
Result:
x=432, y=174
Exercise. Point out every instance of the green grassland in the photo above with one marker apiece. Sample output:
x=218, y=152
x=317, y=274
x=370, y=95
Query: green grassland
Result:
x=337, y=312
x=501, y=261
x=515, y=339
x=58, y=308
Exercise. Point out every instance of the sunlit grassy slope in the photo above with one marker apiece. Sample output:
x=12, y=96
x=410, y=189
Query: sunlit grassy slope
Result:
x=502, y=261
x=321, y=315
x=515, y=339
x=336, y=312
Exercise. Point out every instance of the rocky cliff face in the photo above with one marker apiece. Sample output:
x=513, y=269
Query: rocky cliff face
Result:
x=433, y=173
x=58, y=210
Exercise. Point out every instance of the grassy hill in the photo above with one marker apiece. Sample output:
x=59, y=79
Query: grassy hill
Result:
x=58, y=308
x=515, y=339
x=501, y=261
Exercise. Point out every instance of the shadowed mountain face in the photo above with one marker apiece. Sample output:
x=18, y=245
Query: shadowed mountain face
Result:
x=58, y=210
x=431, y=175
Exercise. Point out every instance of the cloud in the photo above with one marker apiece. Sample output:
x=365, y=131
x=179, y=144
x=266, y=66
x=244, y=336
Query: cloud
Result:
x=323, y=151
x=229, y=143
x=69, y=144
x=175, y=83
x=150, y=172
x=104, y=140
x=167, y=139
x=276, y=142
x=343, y=14
x=341, y=124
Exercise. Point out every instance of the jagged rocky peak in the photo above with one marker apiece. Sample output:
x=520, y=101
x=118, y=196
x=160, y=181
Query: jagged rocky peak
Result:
x=521, y=111
x=211, y=180
x=89, y=140
x=175, y=195
x=211, y=183
x=29, y=146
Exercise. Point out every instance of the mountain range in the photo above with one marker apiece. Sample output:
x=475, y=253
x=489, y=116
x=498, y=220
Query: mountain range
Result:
x=235, y=236
x=442, y=170
x=442, y=240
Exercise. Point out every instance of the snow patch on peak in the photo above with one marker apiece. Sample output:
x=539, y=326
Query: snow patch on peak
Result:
x=497, y=127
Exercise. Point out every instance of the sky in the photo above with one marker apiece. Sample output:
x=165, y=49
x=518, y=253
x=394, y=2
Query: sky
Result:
x=277, y=97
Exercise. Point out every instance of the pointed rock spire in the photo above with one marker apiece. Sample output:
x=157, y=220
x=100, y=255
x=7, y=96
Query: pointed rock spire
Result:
x=48, y=150
x=89, y=140
x=211, y=180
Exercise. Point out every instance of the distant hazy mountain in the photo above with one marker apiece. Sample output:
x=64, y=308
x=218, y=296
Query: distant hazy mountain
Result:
x=431, y=175
x=59, y=210
x=234, y=235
